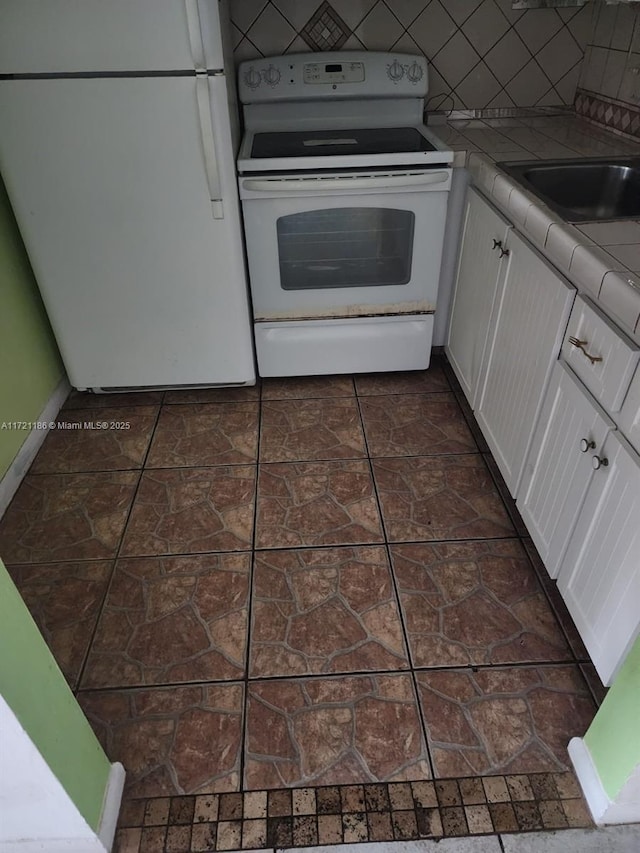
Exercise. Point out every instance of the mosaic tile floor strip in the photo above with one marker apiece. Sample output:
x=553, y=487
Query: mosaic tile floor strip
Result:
x=343, y=814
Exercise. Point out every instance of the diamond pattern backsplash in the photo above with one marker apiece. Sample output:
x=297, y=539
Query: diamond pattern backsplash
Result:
x=325, y=30
x=483, y=54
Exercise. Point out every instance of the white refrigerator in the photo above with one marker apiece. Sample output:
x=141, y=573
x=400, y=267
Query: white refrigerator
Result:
x=118, y=134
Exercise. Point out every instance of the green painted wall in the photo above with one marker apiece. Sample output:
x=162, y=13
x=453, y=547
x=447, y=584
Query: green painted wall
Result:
x=613, y=738
x=35, y=689
x=30, y=366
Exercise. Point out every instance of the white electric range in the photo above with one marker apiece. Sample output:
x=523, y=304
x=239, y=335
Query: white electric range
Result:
x=344, y=196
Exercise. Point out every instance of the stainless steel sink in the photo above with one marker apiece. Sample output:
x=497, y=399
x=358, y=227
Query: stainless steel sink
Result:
x=582, y=190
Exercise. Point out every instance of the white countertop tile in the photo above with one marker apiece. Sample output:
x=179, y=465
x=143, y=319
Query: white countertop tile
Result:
x=612, y=233
x=562, y=241
x=590, y=264
x=628, y=255
x=621, y=300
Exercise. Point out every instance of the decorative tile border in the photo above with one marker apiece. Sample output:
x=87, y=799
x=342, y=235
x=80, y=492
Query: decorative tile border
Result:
x=325, y=30
x=617, y=116
x=345, y=814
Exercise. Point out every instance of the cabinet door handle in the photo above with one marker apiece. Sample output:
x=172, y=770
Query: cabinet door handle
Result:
x=497, y=244
x=597, y=462
x=586, y=445
x=576, y=342
x=504, y=252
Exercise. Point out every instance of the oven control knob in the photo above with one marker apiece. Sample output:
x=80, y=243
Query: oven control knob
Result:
x=252, y=78
x=395, y=71
x=415, y=72
x=272, y=76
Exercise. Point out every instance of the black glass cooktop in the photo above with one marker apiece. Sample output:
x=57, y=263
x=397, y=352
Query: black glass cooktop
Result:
x=326, y=143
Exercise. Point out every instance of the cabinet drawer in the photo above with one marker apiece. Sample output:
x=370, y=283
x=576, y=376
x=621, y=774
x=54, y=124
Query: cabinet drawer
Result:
x=599, y=354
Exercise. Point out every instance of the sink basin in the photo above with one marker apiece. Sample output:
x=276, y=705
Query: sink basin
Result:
x=583, y=190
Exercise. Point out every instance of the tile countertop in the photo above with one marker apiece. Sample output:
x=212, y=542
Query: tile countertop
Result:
x=601, y=259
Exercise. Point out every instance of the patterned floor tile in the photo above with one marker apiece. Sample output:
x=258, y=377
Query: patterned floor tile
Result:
x=205, y=434
x=446, y=497
x=64, y=600
x=89, y=400
x=172, y=619
x=302, y=387
x=415, y=424
x=304, y=430
x=503, y=720
x=213, y=395
x=98, y=439
x=67, y=517
x=333, y=731
x=557, y=602
x=330, y=610
x=475, y=602
x=316, y=503
x=178, y=740
x=410, y=382
x=192, y=510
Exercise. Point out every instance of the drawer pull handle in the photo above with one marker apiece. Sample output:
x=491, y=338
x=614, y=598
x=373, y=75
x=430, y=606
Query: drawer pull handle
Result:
x=504, y=252
x=576, y=342
x=586, y=445
x=497, y=244
x=597, y=463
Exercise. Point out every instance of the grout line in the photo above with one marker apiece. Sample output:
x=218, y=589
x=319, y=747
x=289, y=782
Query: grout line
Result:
x=405, y=634
x=335, y=676
x=116, y=557
x=247, y=659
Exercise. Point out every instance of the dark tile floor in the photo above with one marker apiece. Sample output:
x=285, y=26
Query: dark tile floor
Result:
x=314, y=582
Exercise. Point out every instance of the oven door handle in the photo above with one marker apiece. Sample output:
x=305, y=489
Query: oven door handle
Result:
x=313, y=185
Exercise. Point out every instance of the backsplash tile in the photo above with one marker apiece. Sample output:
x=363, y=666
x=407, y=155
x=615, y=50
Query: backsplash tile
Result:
x=615, y=115
x=483, y=54
x=325, y=29
x=609, y=88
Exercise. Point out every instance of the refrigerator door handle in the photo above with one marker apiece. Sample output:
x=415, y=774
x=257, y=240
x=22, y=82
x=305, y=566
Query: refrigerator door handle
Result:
x=209, y=145
x=195, y=35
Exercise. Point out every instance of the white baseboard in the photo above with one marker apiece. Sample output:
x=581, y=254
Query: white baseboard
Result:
x=54, y=845
x=111, y=805
x=624, y=809
x=31, y=445
x=100, y=842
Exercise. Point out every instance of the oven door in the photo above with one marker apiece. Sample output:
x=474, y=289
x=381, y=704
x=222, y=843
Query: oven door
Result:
x=344, y=245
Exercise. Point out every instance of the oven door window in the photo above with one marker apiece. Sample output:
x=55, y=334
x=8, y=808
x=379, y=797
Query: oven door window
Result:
x=345, y=247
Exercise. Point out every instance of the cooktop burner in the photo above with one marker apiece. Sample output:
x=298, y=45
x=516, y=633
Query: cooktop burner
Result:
x=323, y=143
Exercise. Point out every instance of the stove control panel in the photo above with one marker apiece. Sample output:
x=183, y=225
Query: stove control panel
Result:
x=332, y=74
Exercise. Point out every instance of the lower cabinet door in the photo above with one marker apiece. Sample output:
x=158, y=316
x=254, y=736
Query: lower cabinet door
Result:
x=600, y=575
x=571, y=428
x=479, y=268
x=532, y=315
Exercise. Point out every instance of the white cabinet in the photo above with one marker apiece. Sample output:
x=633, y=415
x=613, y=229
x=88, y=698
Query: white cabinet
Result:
x=600, y=575
x=529, y=319
x=484, y=233
x=629, y=417
x=575, y=477
x=571, y=429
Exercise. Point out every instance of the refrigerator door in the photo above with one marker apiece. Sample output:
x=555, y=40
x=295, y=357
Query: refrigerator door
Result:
x=103, y=36
x=108, y=182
